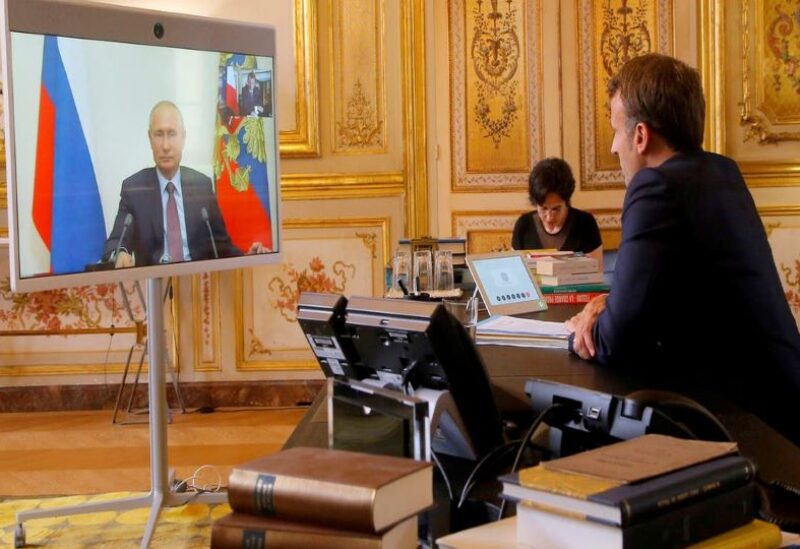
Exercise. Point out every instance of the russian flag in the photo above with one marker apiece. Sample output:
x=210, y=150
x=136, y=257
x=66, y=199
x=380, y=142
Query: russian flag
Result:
x=67, y=212
x=242, y=186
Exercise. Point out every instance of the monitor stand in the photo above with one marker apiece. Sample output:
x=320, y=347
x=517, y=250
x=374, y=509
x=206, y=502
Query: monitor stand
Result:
x=161, y=494
x=448, y=433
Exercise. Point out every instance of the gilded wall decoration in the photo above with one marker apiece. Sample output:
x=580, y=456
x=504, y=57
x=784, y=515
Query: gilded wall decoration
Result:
x=360, y=129
x=783, y=239
x=3, y=191
x=496, y=92
x=303, y=139
x=486, y=241
x=344, y=256
x=770, y=109
x=205, y=314
x=611, y=32
x=357, y=77
x=314, y=277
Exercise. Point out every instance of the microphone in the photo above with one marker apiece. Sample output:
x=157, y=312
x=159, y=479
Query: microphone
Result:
x=204, y=215
x=125, y=225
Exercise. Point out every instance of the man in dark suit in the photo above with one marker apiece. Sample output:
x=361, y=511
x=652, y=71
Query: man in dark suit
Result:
x=169, y=212
x=696, y=302
x=251, y=100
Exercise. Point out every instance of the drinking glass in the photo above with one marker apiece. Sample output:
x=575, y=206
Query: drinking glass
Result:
x=401, y=271
x=466, y=312
x=423, y=271
x=443, y=270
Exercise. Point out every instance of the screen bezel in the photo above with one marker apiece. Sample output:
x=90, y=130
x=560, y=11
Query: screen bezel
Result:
x=520, y=307
x=135, y=26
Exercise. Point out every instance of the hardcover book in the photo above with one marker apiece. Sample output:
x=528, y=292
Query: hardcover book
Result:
x=754, y=535
x=622, y=504
x=677, y=527
x=641, y=458
x=600, y=287
x=238, y=531
x=571, y=298
x=563, y=279
x=335, y=488
x=566, y=265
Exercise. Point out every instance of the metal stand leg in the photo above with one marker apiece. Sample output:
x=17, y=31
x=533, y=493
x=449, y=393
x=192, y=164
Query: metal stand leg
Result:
x=160, y=492
x=141, y=342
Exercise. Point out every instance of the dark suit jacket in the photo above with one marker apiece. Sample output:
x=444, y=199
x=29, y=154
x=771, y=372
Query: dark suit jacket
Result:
x=141, y=197
x=696, y=300
x=248, y=101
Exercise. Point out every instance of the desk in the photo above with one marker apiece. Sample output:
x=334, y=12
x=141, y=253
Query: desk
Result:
x=509, y=367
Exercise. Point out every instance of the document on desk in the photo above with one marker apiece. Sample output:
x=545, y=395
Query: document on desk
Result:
x=522, y=332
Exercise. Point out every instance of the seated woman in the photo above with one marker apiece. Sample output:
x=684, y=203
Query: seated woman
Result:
x=554, y=223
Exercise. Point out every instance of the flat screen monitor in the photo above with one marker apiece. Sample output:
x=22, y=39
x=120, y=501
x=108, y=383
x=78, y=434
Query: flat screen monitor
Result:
x=139, y=143
x=419, y=348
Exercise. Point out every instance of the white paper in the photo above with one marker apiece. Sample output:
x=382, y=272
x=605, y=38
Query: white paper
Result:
x=509, y=325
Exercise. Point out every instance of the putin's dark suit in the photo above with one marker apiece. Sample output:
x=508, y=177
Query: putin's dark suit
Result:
x=141, y=197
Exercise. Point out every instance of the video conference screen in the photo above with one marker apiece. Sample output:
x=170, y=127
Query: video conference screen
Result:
x=131, y=155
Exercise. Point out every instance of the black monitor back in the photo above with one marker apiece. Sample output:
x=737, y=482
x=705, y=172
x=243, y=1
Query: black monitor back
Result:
x=420, y=345
x=322, y=319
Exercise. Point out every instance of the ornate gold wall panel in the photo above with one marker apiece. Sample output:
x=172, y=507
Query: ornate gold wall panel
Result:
x=415, y=119
x=749, y=51
x=3, y=192
x=322, y=255
x=324, y=186
x=303, y=140
x=610, y=33
x=495, y=92
x=771, y=46
x=206, y=322
x=356, y=74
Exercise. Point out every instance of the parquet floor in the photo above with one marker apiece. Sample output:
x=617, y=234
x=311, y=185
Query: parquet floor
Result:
x=70, y=453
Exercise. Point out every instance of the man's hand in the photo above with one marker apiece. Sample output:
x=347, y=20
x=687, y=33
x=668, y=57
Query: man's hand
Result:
x=124, y=259
x=583, y=326
x=258, y=248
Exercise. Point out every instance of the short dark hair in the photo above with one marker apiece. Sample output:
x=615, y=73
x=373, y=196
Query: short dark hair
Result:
x=551, y=175
x=667, y=95
x=250, y=75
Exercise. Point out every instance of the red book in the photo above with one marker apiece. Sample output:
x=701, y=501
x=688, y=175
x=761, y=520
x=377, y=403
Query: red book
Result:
x=574, y=298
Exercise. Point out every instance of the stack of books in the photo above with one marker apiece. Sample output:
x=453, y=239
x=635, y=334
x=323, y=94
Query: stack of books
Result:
x=652, y=491
x=313, y=498
x=567, y=279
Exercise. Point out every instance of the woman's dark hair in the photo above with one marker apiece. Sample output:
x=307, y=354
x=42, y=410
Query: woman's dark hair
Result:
x=551, y=175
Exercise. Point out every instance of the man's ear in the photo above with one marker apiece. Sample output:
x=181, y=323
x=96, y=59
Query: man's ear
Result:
x=642, y=137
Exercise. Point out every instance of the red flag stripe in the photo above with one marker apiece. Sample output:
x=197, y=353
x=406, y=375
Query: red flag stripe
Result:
x=43, y=176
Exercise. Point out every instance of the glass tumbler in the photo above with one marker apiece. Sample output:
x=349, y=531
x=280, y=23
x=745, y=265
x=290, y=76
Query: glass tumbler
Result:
x=423, y=271
x=401, y=272
x=443, y=270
